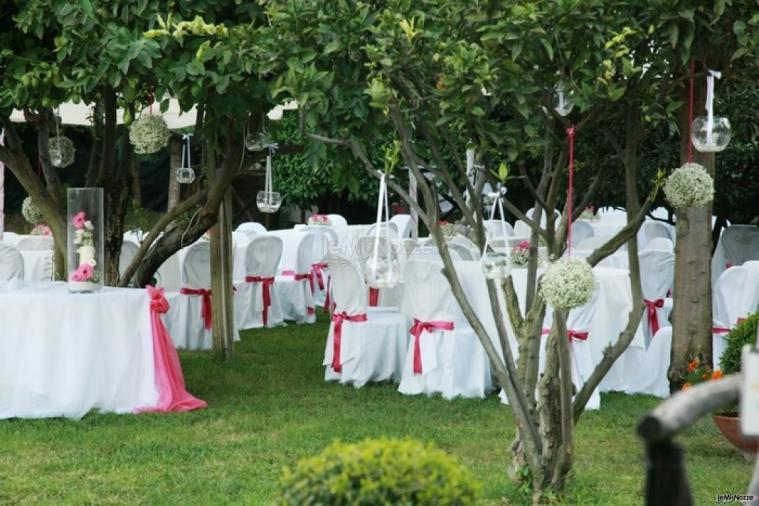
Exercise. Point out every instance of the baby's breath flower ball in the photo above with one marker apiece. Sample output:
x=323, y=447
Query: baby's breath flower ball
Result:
x=149, y=134
x=689, y=186
x=568, y=283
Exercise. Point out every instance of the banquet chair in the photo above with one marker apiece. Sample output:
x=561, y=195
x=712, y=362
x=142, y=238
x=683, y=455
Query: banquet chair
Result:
x=650, y=230
x=543, y=219
x=645, y=369
x=363, y=344
x=444, y=354
x=494, y=229
x=9, y=237
x=364, y=252
x=661, y=213
x=735, y=296
x=256, y=303
x=657, y=273
x=11, y=263
x=388, y=229
x=581, y=230
x=337, y=220
x=403, y=224
x=591, y=243
x=240, y=242
x=35, y=243
x=612, y=215
x=325, y=242
x=293, y=284
x=135, y=235
x=736, y=245
x=251, y=227
x=522, y=229
x=661, y=243
x=466, y=249
x=128, y=252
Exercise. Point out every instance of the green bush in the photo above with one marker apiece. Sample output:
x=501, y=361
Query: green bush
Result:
x=376, y=472
x=743, y=333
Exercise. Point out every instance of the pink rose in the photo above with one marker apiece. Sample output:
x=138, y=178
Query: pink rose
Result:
x=78, y=220
x=523, y=245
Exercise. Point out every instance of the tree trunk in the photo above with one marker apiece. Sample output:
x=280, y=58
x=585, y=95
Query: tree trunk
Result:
x=692, y=311
x=174, y=188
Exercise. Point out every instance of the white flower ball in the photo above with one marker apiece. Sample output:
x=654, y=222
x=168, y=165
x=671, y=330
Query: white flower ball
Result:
x=689, y=186
x=31, y=212
x=568, y=283
x=149, y=134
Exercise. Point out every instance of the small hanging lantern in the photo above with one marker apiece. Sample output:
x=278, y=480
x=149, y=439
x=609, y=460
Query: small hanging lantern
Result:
x=382, y=272
x=267, y=200
x=495, y=264
x=60, y=148
x=563, y=99
x=185, y=174
x=710, y=134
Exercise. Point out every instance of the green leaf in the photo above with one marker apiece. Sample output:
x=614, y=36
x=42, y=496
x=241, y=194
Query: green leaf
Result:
x=87, y=7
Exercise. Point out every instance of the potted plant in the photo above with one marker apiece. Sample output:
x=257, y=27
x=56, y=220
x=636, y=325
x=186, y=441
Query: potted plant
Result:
x=727, y=421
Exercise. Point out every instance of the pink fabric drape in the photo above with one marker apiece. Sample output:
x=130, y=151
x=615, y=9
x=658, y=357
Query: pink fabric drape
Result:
x=172, y=395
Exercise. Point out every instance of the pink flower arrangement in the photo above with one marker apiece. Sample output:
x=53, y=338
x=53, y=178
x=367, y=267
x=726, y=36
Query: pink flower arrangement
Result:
x=319, y=219
x=79, y=220
x=42, y=230
x=520, y=254
x=85, y=272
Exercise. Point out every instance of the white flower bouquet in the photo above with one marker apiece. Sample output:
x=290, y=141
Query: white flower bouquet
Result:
x=568, y=283
x=149, y=134
x=31, y=212
x=689, y=186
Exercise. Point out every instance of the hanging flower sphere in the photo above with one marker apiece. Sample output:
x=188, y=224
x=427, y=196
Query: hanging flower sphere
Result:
x=61, y=150
x=568, y=283
x=31, y=212
x=149, y=134
x=689, y=186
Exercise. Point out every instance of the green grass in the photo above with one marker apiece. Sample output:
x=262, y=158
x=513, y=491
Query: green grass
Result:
x=270, y=406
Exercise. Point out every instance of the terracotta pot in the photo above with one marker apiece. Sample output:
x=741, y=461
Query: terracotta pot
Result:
x=729, y=426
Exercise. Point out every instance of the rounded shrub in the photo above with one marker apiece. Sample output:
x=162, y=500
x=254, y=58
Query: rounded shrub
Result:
x=379, y=472
x=742, y=334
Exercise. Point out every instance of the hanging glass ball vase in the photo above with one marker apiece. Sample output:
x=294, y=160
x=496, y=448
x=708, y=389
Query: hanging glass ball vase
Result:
x=712, y=138
x=185, y=175
x=563, y=99
x=382, y=272
x=496, y=265
x=268, y=201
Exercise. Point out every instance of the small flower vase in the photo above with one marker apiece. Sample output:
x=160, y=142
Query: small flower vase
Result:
x=85, y=240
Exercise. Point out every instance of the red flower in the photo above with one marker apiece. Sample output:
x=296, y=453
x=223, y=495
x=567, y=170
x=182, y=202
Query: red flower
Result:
x=693, y=365
x=717, y=375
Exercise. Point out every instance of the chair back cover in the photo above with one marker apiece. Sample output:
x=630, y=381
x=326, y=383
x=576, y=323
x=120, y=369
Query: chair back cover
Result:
x=430, y=293
x=403, y=224
x=128, y=252
x=543, y=219
x=661, y=243
x=736, y=294
x=657, y=272
x=581, y=230
x=297, y=251
x=35, y=243
x=650, y=230
x=522, y=229
x=337, y=220
x=325, y=240
x=612, y=215
x=263, y=255
x=661, y=213
x=348, y=289
x=591, y=243
x=196, y=266
x=251, y=226
x=387, y=229
x=466, y=249
x=9, y=237
x=737, y=244
x=493, y=228
x=11, y=263
x=752, y=265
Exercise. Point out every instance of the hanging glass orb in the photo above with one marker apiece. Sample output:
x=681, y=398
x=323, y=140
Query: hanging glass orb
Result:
x=496, y=265
x=61, y=150
x=255, y=142
x=710, y=140
x=268, y=202
x=563, y=99
x=185, y=175
x=385, y=273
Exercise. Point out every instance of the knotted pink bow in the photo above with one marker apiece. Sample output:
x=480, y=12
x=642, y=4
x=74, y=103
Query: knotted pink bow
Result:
x=416, y=331
x=316, y=272
x=373, y=297
x=576, y=334
x=653, y=319
x=206, y=310
x=267, y=283
x=337, y=335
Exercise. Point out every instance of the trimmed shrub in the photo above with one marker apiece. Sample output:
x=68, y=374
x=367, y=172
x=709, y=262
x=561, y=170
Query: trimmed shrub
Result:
x=743, y=333
x=379, y=472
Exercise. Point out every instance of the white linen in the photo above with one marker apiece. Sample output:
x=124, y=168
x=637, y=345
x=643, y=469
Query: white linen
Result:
x=80, y=351
x=403, y=223
x=35, y=243
x=581, y=229
x=736, y=245
x=606, y=229
x=372, y=350
x=128, y=252
x=11, y=263
x=262, y=260
x=251, y=226
x=295, y=296
x=736, y=294
x=645, y=370
x=184, y=320
x=657, y=274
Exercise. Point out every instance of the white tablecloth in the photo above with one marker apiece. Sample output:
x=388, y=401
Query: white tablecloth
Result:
x=38, y=265
x=63, y=354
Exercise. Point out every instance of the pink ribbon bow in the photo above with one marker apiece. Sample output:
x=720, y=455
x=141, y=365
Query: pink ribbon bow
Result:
x=172, y=395
x=653, y=319
x=316, y=272
x=267, y=283
x=302, y=277
x=577, y=335
x=206, y=310
x=337, y=335
x=373, y=297
x=725, y=330
x=416, y=331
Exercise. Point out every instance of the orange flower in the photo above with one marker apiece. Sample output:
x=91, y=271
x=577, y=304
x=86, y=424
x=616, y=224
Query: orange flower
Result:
x=705, y=376
x=693, y=365
x=686, y=386
x=717, y=375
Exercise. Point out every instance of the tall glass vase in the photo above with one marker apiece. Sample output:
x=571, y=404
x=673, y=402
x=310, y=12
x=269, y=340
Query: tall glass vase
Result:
x=85, y=239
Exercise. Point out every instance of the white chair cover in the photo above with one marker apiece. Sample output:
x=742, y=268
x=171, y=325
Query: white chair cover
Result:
x=240, y=241
x=612, y=215
x=251, y=226
x=736, y=294
x=135, y=236
x=262, y=259
x=326, y=242
x=581, y=230
x=35, y=243
x=650, y=230
x=543, y=218
x=387, y=229
x=337, y=220
x=403, y=224
x=657, y=273
x=9, y=237
x=661, y=243
x=737, y=244
x=522, y=229
x=661, y=213
x=646, y=369
x=293, y=284
x=11, y=263
x=465, y=248
x=128, y=252
x=493, y=228
x=369, y=350
x=453, y=362
x=592, y=243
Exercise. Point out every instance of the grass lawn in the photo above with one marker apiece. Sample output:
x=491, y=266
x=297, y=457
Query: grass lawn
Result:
x=270, y=406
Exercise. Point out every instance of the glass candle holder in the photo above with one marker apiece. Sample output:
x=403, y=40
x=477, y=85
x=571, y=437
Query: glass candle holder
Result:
x=496, y=265
x=185, y=175
x=385, y=273
x=268, y=202
x=710, y=138
x=85, y=239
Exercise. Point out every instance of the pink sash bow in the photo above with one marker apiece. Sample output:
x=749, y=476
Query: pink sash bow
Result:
x=206, y=309
x=303, y=277
x=266, y=284
x=571, y=334
x=373, y=297
x=416, y=331
x=653, y=319
x=316, y=272
x=725, y=330
x=337, y=335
